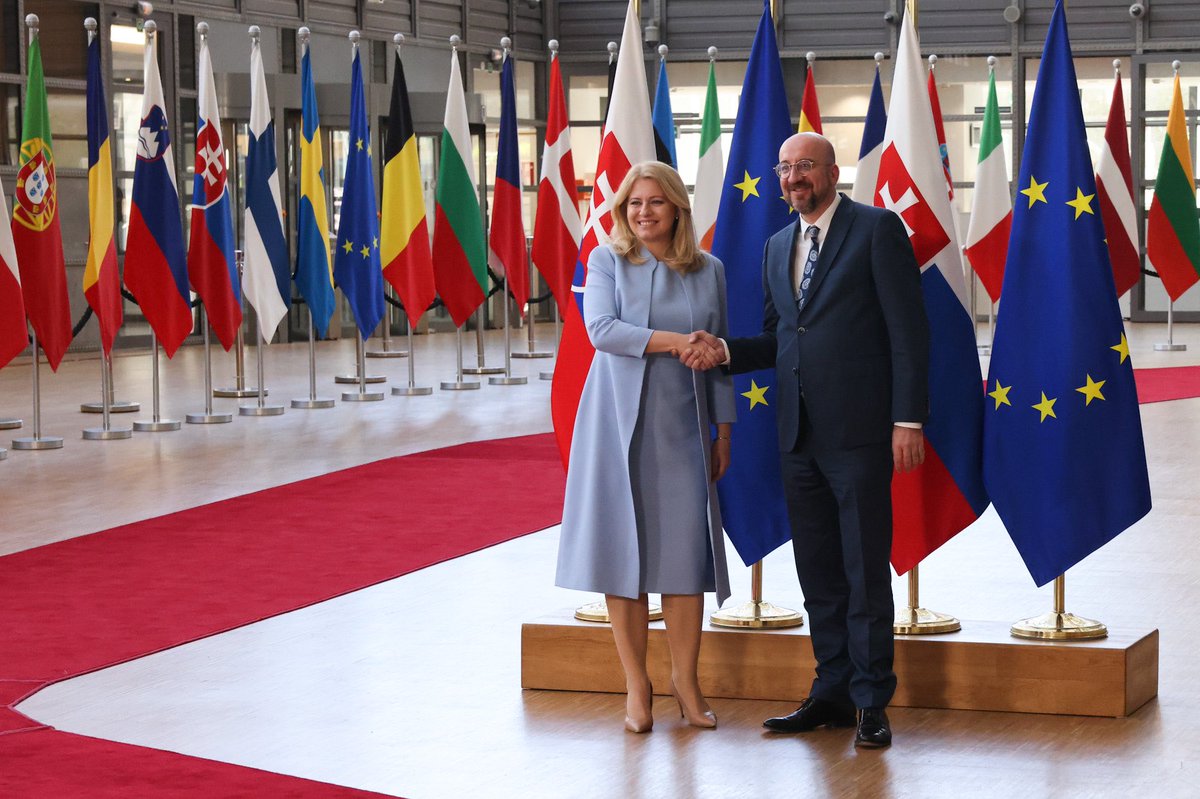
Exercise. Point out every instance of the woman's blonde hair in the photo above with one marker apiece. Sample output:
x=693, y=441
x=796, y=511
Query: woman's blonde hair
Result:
x=683, y=253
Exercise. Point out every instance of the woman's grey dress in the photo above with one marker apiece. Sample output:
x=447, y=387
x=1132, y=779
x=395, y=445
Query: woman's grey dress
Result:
x=640, y=515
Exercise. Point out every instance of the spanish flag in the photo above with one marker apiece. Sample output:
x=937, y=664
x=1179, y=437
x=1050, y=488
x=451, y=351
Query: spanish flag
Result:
x=101, y=280
x=810, y=110
x=407, y=260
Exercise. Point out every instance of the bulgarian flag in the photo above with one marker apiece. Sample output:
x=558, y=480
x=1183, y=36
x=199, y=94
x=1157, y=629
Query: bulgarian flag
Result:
x=35, y=227
x=991, y=214
x=710, y=174
x=1173, y=233
x=810, y=111
x=1114, y=189
x=459, y=251
x=404, y=234
x=13, y=336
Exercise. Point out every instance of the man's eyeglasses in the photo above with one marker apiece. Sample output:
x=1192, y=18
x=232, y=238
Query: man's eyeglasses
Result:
x=801, y=167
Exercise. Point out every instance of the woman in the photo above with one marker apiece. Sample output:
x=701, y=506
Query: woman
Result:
x=640, y=513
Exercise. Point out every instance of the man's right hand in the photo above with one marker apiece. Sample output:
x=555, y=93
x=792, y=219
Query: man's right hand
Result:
x=704, y=351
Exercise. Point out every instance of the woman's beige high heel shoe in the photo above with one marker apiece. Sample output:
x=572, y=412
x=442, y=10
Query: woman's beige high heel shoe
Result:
x=706, y=720
x=641, y=720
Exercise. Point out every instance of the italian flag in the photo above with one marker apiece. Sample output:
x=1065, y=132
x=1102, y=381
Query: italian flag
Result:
x=1173, y=233
x=459, y=250
x=710, y=174
x=991, y=215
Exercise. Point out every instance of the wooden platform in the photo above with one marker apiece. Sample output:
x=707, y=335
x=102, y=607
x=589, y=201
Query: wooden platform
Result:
x=982, y=667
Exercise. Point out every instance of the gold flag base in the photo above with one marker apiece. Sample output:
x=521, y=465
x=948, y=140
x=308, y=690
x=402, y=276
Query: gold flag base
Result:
x=598, y=612
x=756, y=613
x=919, y=621
x=1058, y=625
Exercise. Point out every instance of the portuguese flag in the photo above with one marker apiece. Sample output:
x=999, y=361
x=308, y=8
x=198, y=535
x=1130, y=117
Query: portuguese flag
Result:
x=35, y=227
x=1173, y=233
x=459, y=251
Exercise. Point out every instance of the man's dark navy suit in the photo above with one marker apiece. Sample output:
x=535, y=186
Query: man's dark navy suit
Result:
x=849, y=364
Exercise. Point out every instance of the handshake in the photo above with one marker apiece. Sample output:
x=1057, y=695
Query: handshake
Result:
x=700, y=350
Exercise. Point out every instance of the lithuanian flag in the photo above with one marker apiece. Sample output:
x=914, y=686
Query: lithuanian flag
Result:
x=1173, y=232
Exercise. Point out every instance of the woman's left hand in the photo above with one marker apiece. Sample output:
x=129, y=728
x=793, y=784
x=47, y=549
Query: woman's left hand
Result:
x=721, y=448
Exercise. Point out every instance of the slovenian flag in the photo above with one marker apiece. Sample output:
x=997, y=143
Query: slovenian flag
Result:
x=101, y=278
x=155, y=261
x=945, y=494
x=210, y=258
x=507, y=240
x=267, y=276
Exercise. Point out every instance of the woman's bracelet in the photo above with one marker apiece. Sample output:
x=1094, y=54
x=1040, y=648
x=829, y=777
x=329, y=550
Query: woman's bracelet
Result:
x=723, y=438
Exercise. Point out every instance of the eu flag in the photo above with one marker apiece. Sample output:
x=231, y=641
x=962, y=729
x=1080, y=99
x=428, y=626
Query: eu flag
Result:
x=1064, y=459
x=752, y=210
x=356, y=264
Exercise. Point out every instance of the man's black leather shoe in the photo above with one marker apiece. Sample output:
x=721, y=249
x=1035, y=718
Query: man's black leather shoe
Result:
x=811, y=714
x=874, y=731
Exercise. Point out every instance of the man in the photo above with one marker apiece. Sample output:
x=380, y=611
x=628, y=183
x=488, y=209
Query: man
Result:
x=844, y=325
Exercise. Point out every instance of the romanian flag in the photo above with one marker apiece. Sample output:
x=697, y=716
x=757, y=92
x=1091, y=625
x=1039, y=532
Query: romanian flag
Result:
x=507, y=240
x=211, y=266
x=1064, y=458
x=1172, y=231
x=460, y=262
x=35, y=227
x=155, y=260
x=101, y=279
x=810, y=110
x=356, y=262
x=314, y=268
x=407, y=262
x=13, y=335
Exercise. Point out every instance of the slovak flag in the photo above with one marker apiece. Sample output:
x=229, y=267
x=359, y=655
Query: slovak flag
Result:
x=210, y=260
x=945, y=494
x=155, y=261
x=628, y=140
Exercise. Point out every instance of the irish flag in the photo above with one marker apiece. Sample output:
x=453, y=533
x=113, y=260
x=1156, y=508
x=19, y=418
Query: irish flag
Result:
x=1173, y=233
x=459, y=251
x=991, y=214
x=710, y=174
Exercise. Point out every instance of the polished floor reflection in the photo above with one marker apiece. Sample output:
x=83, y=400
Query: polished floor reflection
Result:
x=412, y=687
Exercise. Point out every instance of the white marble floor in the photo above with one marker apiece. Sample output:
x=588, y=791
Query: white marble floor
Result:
x=412, y=687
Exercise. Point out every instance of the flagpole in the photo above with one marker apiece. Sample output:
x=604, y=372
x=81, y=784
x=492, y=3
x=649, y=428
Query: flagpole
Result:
x=756, y=613
x=459, y=384
x=114, y=405
x=106, y=432
x=37, y=440
x=986, y=347
x=1058, y=625
x=386, y=334
x=557, y=335
x=260, y=408
x=313, y=401
x=239, y=391
x=481, y=367
x=156, y=423
x=1169, y=345
x=412, y=389
x=360, y=375
x=533, y=352
x=208, y=417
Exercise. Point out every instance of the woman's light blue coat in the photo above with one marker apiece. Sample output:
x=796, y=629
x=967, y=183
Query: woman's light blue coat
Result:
x=598, y=550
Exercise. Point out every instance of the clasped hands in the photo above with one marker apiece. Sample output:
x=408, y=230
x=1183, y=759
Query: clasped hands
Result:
x=700, y=350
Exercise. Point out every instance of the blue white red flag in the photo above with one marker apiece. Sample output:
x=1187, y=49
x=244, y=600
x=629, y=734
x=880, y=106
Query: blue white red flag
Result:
x=506, y=243
x=945, y=494
x=751, y=492
x=266, y=276
x=867, y=175
x=210, y=260
x=628, y=139
x=155, y=259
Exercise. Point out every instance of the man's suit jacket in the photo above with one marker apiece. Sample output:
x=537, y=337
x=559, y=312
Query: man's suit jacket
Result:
x=858, y=353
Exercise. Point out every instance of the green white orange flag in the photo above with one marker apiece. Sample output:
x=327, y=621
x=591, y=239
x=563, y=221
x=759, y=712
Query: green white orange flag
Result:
x=991, y=213
x=459, y=250
x=35, y=227
x=1172, y=231
x=710, y=174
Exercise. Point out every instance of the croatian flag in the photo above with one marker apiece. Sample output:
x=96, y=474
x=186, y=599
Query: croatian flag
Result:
x=628, y=140
x=267, y=276
x=210, y=261
x=507, y=241
x=155, y=261
x=945, y=494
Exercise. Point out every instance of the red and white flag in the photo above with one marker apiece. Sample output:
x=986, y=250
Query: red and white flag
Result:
x=557, y=227
x=628, y=140
x=1114, y=185
x=13, y=335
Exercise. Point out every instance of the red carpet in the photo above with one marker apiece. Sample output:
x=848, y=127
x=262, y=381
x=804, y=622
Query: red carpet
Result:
x=1169, y=383
x=90, y=602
